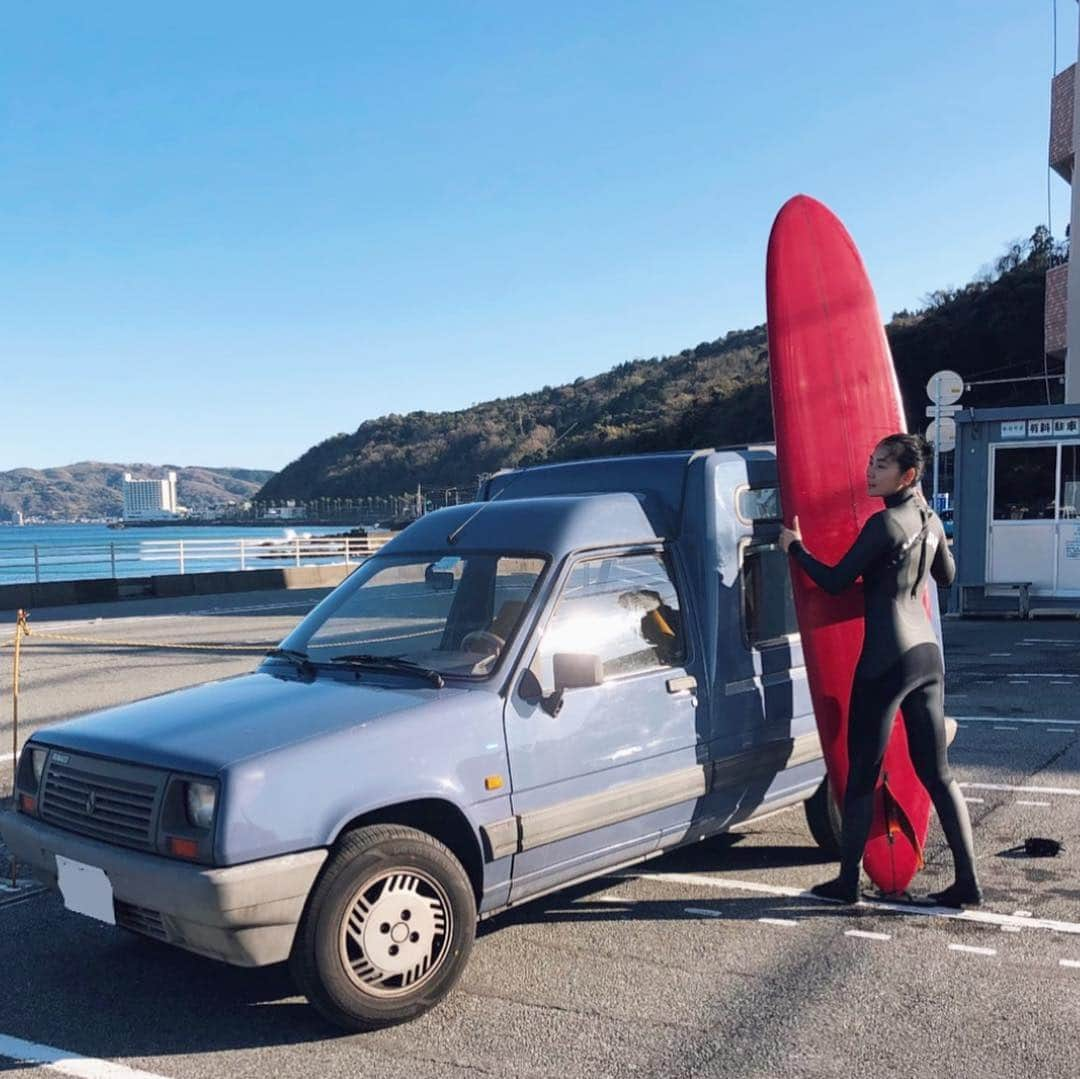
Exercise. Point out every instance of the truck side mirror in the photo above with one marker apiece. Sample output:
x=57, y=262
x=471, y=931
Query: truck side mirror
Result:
x=572, y=670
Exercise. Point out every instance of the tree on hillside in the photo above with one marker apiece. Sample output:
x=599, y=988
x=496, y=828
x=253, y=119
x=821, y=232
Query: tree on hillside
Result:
x=713, y=394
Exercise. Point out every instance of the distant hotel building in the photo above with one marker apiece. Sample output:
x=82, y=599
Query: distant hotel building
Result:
x=1062, y=313
x=149, y=500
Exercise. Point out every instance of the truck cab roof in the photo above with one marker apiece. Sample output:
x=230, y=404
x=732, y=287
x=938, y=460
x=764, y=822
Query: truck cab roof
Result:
x=551, y=525
x=573, y=505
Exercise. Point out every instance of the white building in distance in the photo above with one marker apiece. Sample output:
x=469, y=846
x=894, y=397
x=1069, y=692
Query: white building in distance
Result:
x=149, y=500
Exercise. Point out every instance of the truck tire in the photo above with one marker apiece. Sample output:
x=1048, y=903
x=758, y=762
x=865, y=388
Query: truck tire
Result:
x=824, y=818
x=387, y=929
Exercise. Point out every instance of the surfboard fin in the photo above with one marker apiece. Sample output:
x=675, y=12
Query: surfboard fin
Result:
x=898, y=823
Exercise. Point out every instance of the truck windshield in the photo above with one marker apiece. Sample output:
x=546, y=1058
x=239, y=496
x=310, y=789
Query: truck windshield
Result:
x=453, y=615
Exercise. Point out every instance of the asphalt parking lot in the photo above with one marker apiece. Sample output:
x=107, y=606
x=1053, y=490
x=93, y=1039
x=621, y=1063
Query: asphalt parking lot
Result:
x=709, y=961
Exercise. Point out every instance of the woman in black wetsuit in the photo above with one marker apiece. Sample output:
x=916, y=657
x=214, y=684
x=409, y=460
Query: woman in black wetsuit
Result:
x=900, y=666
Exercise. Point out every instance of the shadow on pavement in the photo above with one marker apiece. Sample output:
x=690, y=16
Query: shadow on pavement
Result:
x=101, y=992
x=105, y=993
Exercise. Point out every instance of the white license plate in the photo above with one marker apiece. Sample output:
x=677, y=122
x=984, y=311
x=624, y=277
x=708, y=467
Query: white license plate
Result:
x=86, y=889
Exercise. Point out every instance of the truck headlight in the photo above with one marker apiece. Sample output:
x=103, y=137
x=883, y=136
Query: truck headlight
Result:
x=200, y=800
x=31, y=768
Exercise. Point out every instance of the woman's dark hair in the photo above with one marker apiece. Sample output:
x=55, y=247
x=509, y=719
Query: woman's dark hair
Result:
x=908, y=451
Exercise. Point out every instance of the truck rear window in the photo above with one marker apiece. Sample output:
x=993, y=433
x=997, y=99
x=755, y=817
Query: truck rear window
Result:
x=768, y=604
x=759, y=504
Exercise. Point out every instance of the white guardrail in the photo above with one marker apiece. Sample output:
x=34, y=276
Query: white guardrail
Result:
x=39, y=562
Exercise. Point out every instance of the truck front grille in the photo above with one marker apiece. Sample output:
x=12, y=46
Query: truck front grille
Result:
x=112, y=802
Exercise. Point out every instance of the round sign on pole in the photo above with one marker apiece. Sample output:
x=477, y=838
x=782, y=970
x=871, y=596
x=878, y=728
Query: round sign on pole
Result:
x=945, y=387
x=942, y=434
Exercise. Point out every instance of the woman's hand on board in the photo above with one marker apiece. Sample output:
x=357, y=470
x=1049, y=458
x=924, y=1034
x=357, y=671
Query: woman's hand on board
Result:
x=791, y=535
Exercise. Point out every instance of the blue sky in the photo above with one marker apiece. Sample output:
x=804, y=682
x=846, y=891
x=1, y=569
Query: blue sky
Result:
x=232, y=230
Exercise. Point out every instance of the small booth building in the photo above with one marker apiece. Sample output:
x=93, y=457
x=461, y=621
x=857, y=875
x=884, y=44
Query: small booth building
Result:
x=1017, y=499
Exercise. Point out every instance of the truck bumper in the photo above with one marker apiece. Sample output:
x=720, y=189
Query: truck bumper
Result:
x=244, y=914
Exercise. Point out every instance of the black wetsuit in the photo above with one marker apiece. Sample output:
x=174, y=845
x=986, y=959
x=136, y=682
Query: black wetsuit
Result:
x=900, y=666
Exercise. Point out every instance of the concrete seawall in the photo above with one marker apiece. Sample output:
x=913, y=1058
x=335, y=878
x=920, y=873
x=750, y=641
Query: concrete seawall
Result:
x=169, y=585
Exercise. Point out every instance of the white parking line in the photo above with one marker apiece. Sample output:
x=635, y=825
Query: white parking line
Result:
x=1068, y=791
x=983, y=917
x=1006, y=728
x=25, y=897
x=785, y=922
x=19, y=887
x=59, y=1060
x=1030, y=674
x=1023, y=917
x=754, y=821
x=1016, y=719
x=980, y=801
x=705, y=911
x=972, y=949
x=1022, y=802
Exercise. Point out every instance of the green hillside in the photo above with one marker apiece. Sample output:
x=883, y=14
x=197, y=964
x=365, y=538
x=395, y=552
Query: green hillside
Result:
x=714, y=394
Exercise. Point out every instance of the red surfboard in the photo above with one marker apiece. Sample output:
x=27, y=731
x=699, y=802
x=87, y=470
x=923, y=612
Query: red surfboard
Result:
x=835, y=396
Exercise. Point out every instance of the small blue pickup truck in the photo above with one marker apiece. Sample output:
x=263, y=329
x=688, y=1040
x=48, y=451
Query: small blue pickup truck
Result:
x=594, y=663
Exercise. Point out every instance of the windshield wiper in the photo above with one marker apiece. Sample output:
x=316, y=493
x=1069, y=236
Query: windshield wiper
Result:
x=391, y=663
x=301, y=659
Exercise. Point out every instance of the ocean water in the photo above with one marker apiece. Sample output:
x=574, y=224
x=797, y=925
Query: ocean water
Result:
x=68, y=552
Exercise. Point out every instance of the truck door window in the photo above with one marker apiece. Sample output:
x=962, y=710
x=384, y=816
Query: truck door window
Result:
x=624, y=609
x=768, y=605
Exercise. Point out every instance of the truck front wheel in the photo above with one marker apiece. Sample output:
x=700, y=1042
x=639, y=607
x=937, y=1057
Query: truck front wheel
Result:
x=387, y=930
x=824, y=818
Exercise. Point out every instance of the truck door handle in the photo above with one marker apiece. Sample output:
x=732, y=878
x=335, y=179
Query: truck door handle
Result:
x=678, y=685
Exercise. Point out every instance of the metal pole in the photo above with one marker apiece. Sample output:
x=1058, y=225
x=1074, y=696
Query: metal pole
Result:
x=112, y=558
x=243, y=563
x=181, y=556
x=37, y=565
x=937, y=440
x=297, y=542
x=20, y=628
